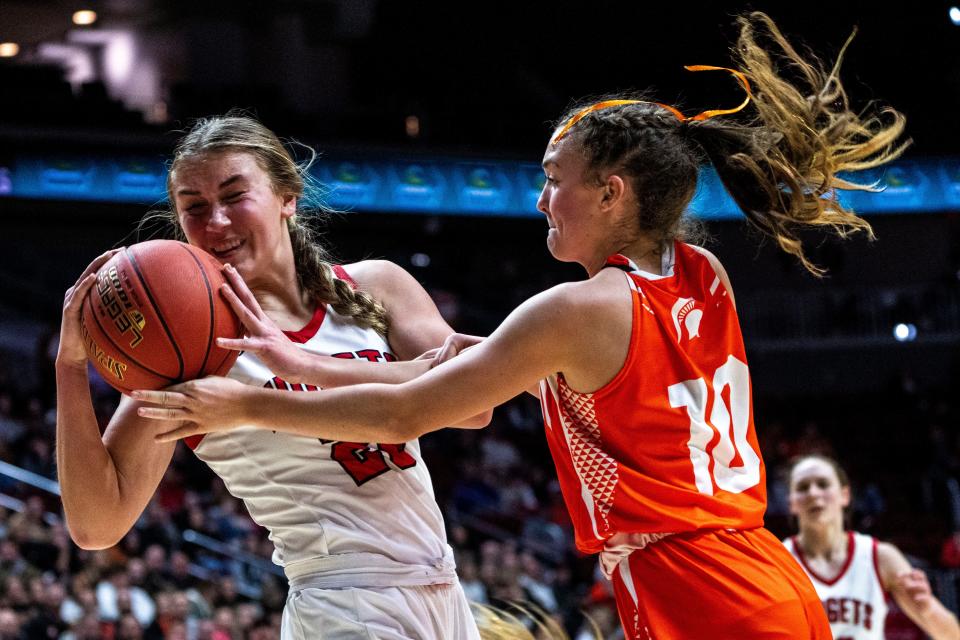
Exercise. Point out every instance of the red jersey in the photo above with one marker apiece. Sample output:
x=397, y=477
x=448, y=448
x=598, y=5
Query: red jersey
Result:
x=668, y=445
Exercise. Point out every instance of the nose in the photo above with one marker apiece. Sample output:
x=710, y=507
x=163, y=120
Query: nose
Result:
x=543, y=201
x=218, y=217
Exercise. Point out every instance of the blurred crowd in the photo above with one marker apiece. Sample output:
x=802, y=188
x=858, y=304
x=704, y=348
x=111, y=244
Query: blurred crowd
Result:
x=196, y=566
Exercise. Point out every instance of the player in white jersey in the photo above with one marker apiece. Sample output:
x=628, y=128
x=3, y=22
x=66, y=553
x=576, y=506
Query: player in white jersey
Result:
x=853, y=573
x=355, y=525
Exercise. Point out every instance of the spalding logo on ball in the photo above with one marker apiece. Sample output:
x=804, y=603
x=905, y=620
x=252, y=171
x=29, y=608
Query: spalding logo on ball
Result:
x=152, y=318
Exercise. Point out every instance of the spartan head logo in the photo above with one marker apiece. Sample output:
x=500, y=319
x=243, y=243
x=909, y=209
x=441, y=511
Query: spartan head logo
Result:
x=686, y=316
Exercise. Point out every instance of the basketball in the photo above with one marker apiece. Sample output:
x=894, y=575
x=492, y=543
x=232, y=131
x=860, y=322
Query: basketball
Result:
x=152, y=318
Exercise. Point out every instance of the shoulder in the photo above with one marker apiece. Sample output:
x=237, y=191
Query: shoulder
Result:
x=716, y=265
x=382, y=279
x=890, y=563
x=375, y=274
x=593, y=295
x=714, y=262
x=415, y=323
x=573, y=310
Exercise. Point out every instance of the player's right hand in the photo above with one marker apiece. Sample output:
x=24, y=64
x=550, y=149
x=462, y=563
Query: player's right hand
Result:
x=915, y=583
x=71, y=351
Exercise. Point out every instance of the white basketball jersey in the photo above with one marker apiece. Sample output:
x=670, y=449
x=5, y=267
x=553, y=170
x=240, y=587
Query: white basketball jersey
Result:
x=855, y=601
x=345, y=514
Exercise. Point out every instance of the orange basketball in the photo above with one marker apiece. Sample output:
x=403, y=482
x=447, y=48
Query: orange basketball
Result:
x=152, y=317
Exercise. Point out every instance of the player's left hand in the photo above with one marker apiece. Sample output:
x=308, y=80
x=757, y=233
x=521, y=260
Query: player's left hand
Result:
x=914, y=582
x=262, y=335
x=454, y=345
x=199, y=406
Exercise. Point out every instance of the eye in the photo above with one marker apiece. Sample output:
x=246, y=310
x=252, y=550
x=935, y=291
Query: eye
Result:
x=234, y=197
x=193, y=208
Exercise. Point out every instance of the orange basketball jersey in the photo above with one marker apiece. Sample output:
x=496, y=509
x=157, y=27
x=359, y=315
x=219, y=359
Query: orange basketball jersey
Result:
x=668, y=445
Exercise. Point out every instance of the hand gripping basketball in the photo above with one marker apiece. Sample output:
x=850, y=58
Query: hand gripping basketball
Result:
x=71, y=351
x=151, y=314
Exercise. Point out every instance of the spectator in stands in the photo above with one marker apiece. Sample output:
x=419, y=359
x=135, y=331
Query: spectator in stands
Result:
x=470, y=579
x=129, y=628
x=44, y=620
x=11, y=427
x=115, y=597
x=9, y=624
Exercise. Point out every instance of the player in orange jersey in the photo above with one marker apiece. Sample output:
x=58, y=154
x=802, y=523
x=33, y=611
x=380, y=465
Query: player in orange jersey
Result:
x=854, y=573
x=640, y=368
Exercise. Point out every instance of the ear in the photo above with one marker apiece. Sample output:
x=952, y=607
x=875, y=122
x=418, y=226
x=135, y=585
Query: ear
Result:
x=792, y=505
x=289, y=207
x=614, y=190
x=845, y=497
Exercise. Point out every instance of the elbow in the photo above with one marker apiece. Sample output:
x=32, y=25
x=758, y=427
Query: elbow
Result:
x=403, y=427
x=91, y=538
x=478, y=421
x=405, y=421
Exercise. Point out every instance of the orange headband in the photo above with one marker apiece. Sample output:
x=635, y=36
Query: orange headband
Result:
x=577, y=117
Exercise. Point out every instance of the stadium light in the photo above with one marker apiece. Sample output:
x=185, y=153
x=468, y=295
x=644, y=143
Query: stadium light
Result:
x=84, y=17
x=905, y=332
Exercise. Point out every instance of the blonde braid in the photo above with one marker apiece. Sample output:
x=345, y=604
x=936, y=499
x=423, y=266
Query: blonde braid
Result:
x=317, y=278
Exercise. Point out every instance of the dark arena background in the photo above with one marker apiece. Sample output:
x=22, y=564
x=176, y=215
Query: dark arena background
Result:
x=431, y=120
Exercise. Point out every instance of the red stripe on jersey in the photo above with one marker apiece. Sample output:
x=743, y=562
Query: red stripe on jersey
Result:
x=876, y=561
x=851, y=547
x=343, y=275
x=310, y=329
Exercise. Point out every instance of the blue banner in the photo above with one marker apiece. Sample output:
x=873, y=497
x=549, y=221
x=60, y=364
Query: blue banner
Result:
x=454, y=186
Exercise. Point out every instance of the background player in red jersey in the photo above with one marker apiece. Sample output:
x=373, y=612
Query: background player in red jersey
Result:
x=641, y=367
x=333, y=509
x=853, y=573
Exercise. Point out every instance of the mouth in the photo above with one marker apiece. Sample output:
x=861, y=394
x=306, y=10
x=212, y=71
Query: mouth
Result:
x=226, y=249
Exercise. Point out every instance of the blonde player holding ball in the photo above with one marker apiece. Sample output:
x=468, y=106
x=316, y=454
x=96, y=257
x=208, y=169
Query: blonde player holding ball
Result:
x=355, y=524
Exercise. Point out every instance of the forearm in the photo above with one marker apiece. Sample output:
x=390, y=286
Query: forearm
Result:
x=328, y=372
x=361, y=413
x=88, y=478
x=940, y=623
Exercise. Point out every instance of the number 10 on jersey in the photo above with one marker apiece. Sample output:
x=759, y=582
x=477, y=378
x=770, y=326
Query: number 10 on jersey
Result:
x=728, y=397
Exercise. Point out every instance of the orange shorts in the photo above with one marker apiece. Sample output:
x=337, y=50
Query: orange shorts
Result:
x=717, y=585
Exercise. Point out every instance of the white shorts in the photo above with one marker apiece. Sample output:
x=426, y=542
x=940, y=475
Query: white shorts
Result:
x=429, y=612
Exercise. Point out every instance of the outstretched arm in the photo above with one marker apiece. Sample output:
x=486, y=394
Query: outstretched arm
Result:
x=539, y=338
x=415, y=327
x=911, y=590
